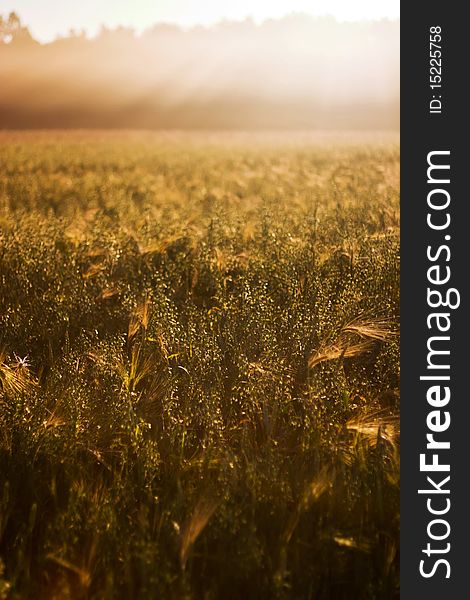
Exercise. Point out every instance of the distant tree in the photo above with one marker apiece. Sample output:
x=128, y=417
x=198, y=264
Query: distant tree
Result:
x=9, y=27
x=11, y=30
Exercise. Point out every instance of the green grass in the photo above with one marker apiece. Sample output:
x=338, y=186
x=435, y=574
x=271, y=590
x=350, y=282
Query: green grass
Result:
x=199, y=367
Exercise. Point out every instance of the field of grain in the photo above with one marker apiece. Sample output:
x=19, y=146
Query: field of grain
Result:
x=199, y=366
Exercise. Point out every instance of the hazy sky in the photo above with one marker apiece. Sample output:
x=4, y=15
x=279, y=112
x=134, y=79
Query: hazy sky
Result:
x=48, y=18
